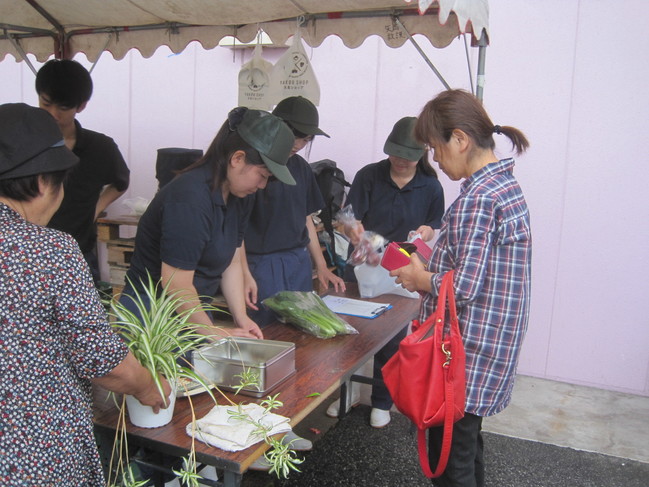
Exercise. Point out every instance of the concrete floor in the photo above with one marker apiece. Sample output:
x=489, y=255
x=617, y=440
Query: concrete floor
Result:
x=583, y=418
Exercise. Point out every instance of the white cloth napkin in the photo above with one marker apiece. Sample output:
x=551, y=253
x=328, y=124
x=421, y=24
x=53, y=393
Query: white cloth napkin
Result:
x=218, y=428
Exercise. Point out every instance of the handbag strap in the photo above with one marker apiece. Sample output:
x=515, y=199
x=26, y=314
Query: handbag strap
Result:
x=452, y=309
x=449, y=393
x=440, y=310
x=447, y=437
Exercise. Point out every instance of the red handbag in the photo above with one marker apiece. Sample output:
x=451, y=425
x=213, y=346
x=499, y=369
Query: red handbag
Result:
x=427, y=377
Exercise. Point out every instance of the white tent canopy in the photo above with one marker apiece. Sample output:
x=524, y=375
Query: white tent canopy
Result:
x=66, y=27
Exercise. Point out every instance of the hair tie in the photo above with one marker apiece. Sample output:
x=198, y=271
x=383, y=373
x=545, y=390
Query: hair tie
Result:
x=235, y=116
x=497, y=129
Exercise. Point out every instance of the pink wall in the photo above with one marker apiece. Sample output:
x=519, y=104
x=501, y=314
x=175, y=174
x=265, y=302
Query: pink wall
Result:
x=565, y=72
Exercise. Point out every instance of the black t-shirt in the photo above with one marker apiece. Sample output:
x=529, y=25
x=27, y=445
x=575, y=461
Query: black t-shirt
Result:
x=100, y=164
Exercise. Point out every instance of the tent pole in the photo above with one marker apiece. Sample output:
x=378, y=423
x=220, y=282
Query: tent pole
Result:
x=480, y=77
x=468, y=63
x=61, y=51
x=110, y=36
x=21, y=51
x=423, y=54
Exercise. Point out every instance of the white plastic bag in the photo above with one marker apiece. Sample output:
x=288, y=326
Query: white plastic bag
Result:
x=254, y=82
x=293, y=75
x=137, y=205
x=375, y=280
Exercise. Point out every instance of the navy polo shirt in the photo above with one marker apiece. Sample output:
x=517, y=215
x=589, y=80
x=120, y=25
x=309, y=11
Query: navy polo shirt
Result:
x=189, y=226
x=392, y=212
x=277, y=222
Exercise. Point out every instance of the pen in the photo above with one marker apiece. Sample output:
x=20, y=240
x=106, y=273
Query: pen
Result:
x=381, y=309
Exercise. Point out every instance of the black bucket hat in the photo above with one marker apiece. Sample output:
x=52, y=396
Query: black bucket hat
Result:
x=272, y=138
x=31, y=142
x=300, y=114
x=401, y=141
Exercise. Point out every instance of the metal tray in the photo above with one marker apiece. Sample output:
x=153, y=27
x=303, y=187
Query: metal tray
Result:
x=273, y=362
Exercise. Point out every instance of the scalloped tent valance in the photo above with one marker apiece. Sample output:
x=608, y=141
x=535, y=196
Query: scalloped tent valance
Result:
x=66, y=27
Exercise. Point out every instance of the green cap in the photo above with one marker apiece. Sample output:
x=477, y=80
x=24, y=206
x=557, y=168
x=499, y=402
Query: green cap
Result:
x=300, y=114
x=273, y=140
x=401, y=141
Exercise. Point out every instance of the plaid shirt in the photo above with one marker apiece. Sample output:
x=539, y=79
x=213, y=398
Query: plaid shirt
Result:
x=485, y=237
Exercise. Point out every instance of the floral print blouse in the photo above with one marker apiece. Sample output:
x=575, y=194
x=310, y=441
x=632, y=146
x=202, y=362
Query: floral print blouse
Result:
x=54, y=338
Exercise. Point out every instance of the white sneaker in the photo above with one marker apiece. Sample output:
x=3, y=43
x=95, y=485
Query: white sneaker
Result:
x=260, y=465
x=296, y=442
x=379, y=418
x=208, y=472
x=353, y=401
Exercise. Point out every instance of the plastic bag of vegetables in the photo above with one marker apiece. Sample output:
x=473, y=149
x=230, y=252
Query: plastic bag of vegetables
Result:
x=307, y=311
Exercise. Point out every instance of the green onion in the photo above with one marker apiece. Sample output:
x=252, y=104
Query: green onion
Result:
x=307, y=311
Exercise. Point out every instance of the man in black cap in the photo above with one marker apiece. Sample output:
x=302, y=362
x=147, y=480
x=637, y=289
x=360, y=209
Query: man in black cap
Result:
x=64, y=88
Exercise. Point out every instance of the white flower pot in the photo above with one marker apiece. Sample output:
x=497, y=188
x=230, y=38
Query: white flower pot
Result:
x=144, y=417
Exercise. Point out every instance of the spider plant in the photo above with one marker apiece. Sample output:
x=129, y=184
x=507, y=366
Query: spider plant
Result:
x=159, y=333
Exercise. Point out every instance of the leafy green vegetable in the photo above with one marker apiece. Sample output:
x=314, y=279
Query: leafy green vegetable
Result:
x=307, y=311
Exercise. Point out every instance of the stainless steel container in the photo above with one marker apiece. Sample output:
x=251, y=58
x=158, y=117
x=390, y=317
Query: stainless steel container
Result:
x=220, y=363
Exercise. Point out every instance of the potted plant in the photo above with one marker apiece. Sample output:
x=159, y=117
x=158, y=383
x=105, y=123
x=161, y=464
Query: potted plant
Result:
x=160, y=335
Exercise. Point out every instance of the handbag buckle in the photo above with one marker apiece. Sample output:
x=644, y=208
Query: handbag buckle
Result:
x=448, y=356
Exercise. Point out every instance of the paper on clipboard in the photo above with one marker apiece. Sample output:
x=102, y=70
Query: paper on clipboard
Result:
x=355, y=307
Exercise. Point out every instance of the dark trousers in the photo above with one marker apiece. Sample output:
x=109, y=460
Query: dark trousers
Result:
x=288, y=270
x=93, y=264
x=466, y=462
x=381, y=398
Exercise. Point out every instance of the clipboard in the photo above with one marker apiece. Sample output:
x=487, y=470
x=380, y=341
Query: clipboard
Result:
x=355, y=307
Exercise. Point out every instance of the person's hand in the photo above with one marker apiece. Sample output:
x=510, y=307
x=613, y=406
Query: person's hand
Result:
x=150, y=396
x=354, y=232
x=246, y=328
x=326, y=277
x=427, y=233
x=412, y=276
x=250, y=291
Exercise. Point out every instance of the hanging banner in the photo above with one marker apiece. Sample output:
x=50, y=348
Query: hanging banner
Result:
x=293, y=75
x=254, y=82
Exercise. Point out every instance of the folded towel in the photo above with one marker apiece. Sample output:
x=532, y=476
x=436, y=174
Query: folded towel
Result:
x=218, y=428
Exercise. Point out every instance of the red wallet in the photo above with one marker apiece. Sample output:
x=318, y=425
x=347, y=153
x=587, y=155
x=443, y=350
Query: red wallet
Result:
x=397, y=254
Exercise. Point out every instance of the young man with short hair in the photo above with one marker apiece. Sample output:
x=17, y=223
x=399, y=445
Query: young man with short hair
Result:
x=64, y=88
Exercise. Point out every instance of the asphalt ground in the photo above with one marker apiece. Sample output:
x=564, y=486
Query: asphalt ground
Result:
x=349, y=453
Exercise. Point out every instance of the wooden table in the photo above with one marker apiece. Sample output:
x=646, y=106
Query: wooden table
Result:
x=322, y=366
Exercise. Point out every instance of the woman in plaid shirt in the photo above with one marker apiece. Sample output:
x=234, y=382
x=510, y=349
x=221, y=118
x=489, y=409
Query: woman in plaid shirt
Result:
x=486, y=238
